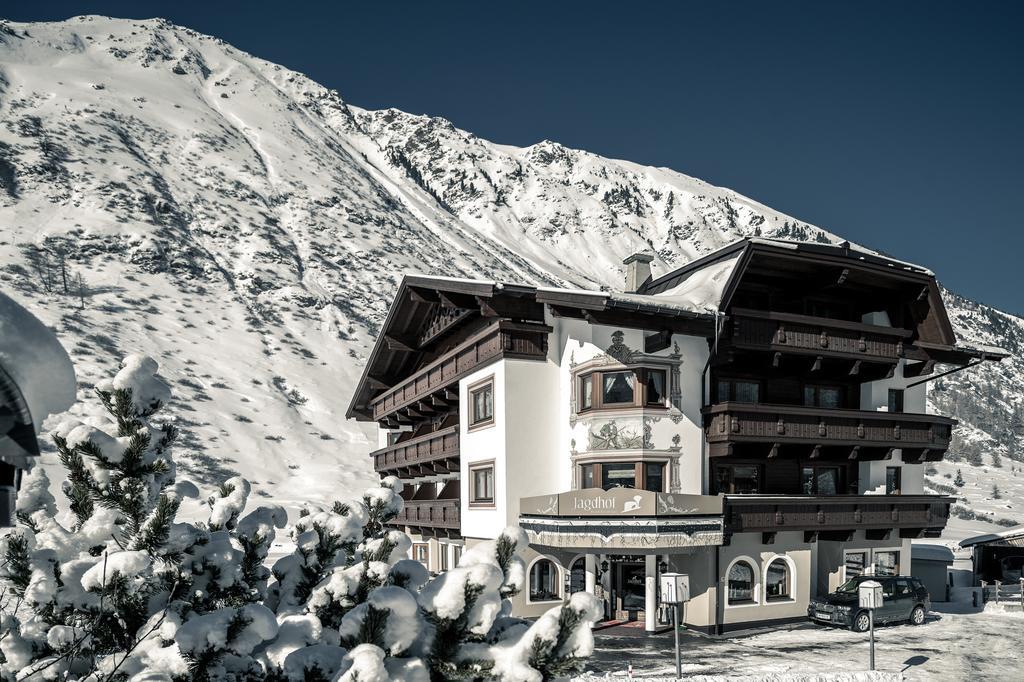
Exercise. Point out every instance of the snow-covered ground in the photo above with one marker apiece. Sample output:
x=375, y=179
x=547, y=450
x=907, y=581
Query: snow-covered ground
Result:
x=952, y=645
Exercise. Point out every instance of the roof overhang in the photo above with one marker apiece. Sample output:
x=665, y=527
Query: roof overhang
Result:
x=405, y=337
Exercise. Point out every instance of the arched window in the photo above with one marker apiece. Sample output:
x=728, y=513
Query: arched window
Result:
x=544, y=581
x=777, y=581
x=741, y=583
x=578, y=576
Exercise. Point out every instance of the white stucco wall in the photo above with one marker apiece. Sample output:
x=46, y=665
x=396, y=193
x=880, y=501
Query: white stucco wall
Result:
x=479, y=445
x=874, y=396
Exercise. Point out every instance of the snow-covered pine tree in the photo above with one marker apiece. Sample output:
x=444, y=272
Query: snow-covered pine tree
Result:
x=959, y=480
x=118, y=589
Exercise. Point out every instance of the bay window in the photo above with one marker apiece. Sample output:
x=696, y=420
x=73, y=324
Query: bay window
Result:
x=608, y=475
x=617, y=388
x=640, y=387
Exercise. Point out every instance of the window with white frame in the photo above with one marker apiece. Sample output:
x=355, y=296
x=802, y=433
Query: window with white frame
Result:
x=856, y=563
x=544, y=581
x=778, y=581
x=741, y=583
x=887, y=562
x=421, y=553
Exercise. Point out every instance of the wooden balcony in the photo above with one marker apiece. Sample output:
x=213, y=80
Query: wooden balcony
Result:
x=432, y=453
x=430, y=517
x=806, y=335
x=420, y=395
x=923, y=437
x=835, y=517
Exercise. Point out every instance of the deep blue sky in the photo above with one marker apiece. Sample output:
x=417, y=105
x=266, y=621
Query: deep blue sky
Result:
x=897, y=124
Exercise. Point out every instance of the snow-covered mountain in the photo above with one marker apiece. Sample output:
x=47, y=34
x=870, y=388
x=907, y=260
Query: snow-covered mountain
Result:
x=164, y=191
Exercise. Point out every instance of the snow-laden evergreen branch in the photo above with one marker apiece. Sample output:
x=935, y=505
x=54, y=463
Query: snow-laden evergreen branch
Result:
x=118, y=589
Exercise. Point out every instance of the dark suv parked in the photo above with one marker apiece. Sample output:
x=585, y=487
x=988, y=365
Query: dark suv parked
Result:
x=904, y=599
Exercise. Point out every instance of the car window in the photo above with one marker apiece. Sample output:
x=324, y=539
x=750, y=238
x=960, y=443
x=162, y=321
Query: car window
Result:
x=887, y=589
x=903, y=588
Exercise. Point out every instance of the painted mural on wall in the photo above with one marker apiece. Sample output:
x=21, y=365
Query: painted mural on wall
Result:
x=614, y=436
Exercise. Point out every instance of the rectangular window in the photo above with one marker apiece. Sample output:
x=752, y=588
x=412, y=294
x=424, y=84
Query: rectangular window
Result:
x=443, y=551
x=654, y=476
x=724, y=391
x=587, y=476
x=887, y=563
x=481, y=400
x=456, y=554
x=830, y=397
x=655, y=388
x=393, y=436
x=893, y=479
x=618, y=475
x=617, y=388
x=587, y=392
x=739, y=479
x=896, y=400
x=747, y=392
x=819, y=480
x=481, y=484
x=421, y=553
x=856, y=562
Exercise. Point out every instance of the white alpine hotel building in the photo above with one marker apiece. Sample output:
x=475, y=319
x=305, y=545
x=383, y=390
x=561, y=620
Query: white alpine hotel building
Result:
x=755, y=419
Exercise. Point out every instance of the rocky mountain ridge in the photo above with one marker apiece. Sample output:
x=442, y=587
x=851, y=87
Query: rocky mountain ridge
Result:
x=163, y=191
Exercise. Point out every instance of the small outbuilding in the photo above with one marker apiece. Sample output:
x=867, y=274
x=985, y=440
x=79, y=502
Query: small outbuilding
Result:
x=997, y=556
x=930, y=564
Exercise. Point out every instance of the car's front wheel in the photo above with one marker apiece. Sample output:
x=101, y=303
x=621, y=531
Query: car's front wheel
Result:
x=861, y=622
x=917, y=615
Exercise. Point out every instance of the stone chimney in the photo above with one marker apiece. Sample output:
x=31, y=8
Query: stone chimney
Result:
x=638, y=271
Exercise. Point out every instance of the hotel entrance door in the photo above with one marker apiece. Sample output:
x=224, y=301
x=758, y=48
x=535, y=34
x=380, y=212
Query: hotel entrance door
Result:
x=629, y=590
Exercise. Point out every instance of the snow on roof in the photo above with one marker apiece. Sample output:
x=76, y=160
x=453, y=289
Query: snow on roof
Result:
x=701, y=290
x=33, y=358
x=930, y=552
x=970, y=346
x=992, y=537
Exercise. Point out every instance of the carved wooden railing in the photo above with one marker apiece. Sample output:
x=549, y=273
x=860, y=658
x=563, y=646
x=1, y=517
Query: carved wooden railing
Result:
x=787, y=332
x=759, y=423
x=423, y=450
x=503, y=339
x=768, y=513
x=432, y=513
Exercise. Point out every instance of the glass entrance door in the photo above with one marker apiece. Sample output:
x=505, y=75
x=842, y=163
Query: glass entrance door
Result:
x=629, y=590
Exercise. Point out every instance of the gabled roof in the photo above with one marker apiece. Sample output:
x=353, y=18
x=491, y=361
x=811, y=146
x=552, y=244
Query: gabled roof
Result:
x=1010, y=535
x=846, y=256
x=401, y=340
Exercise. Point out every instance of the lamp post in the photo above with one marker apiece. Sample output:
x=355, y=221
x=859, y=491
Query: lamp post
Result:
x=675, y=591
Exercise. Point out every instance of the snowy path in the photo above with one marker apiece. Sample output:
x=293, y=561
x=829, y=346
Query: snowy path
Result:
x=949, y=647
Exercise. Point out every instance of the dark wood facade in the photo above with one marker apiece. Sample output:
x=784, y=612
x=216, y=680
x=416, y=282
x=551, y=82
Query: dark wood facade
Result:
x=836, y=517
x=860, y=434
x=430, y=453
x=434, y=387
x=432, y=518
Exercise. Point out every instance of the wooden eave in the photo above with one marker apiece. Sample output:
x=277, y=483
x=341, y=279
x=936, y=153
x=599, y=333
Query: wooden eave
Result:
x=399, y=348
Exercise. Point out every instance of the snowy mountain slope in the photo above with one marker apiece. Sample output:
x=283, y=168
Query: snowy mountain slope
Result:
x=249, y=227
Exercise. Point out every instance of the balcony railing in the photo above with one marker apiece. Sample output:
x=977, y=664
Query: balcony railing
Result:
x=769, y=513
x=786, y=332
x=432, y=452
x=430, y=513
x=732, y=423
x=502, y=339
